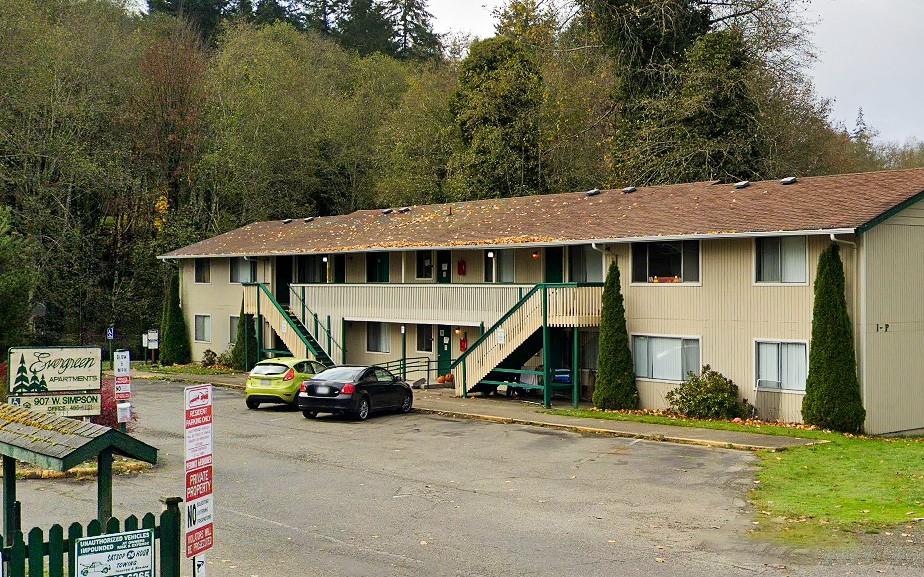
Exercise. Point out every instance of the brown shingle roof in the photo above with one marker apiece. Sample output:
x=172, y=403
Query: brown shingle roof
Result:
x=821, y=203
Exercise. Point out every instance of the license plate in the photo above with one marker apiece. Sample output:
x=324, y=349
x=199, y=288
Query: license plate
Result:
x=322, y=390
x=265, y=382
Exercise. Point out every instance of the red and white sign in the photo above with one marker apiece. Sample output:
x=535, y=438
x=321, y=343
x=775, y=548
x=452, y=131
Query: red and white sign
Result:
x=199, y=507
x=123, y=375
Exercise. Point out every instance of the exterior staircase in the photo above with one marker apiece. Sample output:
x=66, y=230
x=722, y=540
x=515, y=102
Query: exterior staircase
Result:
x=545, y=305
x=259, y=301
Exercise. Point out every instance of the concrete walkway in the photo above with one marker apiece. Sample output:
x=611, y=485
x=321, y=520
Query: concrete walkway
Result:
x=499, y=410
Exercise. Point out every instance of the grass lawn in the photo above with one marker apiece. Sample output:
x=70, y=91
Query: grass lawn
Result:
x=817, y=494
x=191, y=369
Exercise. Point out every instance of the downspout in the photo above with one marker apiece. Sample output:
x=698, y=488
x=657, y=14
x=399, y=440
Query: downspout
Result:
x=859, y=312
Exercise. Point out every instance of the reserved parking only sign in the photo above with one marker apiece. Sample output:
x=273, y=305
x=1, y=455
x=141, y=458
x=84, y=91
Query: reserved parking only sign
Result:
x=199, y=507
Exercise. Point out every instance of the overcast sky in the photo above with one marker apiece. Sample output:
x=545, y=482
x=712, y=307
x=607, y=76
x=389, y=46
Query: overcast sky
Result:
x=869, y=54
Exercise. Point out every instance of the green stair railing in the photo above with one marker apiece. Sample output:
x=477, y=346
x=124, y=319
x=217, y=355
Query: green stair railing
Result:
x=311, y=345
x=319, y=327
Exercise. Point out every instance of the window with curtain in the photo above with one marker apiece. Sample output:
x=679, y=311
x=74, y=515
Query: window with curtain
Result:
x=781, y=259
x=203, y=270
x=311, y=268
x=203, y=328
x=782, y=366
x=243, y=270
x=665, y=358
x=377, y=338
x=590, y=349
x=665, y=262
x=585, y=264
x=499, y=266
x=232, y=329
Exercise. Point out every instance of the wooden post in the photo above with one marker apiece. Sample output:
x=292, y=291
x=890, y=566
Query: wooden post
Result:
x=104, y=486
x=546, y=351
x=9, y=498
x=575, y=367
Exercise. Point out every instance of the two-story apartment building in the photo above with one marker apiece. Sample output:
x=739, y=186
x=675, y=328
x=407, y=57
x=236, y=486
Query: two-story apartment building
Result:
x=712, y=273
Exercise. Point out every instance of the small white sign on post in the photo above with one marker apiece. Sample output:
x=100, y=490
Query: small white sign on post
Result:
x=500, y=335
x=198, y=441
x=153, y=339
x=122, y=367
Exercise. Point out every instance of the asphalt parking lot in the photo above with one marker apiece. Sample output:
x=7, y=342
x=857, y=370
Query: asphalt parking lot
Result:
x=425, y=495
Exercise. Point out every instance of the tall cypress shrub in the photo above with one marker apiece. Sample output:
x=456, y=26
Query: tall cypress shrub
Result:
x=615, y=387
x=174, y=345
x=832, y=391
x=244, y=353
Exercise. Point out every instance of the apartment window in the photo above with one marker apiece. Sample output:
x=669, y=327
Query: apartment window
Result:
x=243, y=270
x=424, y=264
x=312, y=268
x=376, y=338
x=585, y=264
x=781, y=259
x=203, y=270
x=665, y=262
x=425, y=338
x=499, y=266
x=782, y=366
x=377, y=267
x=665, y=358
x=203, y=328
x=232, y=329
x=590, y=349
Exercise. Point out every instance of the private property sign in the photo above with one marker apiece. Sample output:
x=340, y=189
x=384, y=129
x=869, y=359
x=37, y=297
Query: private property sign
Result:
x=199, y=507
x=60, y=380
x=129, y=554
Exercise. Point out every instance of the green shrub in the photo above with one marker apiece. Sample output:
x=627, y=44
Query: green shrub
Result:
x=209, y=358
x=615, y=387
x=225, y=359
x=708, y=395
x=174, y=345
x=832, y=390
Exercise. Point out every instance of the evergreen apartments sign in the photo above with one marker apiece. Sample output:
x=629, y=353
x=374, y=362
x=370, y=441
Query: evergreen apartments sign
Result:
x=64, y=381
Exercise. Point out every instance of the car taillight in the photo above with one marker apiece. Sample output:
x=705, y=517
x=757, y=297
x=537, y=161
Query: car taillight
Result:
x=290, y=374
x=348, y=389
x=303, y=388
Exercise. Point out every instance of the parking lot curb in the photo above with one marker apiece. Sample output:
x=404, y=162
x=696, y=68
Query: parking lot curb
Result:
x=583, y=429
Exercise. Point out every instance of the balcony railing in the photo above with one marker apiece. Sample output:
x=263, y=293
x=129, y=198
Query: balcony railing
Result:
x=450, y=304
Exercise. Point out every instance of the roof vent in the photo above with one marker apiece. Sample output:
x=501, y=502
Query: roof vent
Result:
x=743, y=184
x=404, y=209
x=388, y=210
x=592, y=192
x=629, y=190
x=287, y=221
x=789, y=180
x=308, y=219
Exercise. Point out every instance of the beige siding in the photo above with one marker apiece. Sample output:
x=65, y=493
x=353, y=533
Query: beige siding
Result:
x=528, y=269
x=727, y=311
x=355, y=267
x=894, y=371
x=474, y=266
x=220, y=299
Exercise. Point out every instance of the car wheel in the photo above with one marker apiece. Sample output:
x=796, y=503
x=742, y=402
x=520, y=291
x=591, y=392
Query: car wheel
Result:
x=309, y=414
x=252, y=404
x=407, y=403
x=363, y=409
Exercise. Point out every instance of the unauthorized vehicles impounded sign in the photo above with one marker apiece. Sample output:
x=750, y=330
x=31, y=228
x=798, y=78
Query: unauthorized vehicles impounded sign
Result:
x=198, y=440
x=129, y=554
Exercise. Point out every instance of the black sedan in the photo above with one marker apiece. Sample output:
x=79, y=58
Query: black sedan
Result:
x=354, y=390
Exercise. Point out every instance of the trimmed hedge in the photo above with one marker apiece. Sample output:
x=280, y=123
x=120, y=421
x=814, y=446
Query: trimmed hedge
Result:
x=174, y=345
x=832, y=392
x=615, y=387
x=708, y=395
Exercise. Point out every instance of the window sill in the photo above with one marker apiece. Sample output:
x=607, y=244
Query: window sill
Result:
x=781, y=391
x=202, y=342
x=662, y=381
x=197, y=282
x=378, y=352
x=779, y=284
x=673, y=284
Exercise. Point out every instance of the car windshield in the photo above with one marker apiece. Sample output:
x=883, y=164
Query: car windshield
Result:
x=269, y=369
x=340, y=374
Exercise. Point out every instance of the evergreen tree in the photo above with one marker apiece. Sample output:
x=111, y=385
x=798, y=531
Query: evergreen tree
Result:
x=615, y=387
x=205, y=15
x=323, y=15
x=34, y=384
x=365, y=27
x=246, y=341
x=496, y=109
x=174, y=341
x=21, y=384
x=832, y=391
x=17, y=281
x=414, y=35
x=272, y=11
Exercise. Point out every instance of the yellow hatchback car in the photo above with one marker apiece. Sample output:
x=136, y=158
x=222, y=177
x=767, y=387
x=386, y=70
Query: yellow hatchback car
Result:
x=277, y=380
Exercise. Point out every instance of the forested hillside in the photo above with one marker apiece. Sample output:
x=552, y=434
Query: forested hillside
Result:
x=126, y=133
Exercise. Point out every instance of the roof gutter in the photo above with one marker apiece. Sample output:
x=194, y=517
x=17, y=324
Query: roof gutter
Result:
x=836, y=240
x=599, y=241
